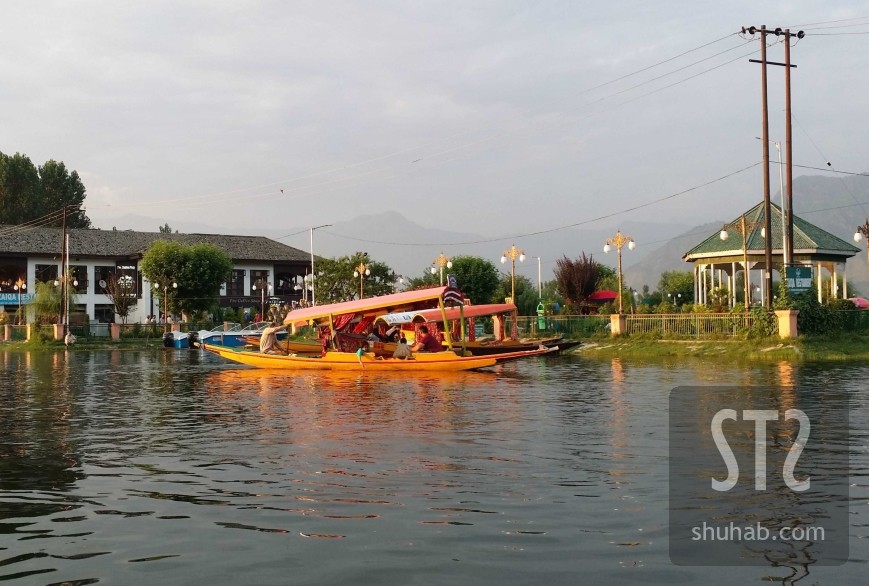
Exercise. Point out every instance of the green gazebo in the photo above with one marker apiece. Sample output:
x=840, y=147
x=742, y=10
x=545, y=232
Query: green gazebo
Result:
x=719, y=258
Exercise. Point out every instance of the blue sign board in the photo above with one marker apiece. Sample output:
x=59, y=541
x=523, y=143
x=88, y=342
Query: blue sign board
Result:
x=13, y=298
x=799, y=279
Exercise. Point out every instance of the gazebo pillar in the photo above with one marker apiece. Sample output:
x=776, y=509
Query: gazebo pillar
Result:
x=844, y=284
x=732, y=283
x=696, y=295
x=820, y=284
x=834, y=284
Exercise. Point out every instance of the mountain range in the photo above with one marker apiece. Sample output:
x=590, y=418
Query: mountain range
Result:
x=836, y=204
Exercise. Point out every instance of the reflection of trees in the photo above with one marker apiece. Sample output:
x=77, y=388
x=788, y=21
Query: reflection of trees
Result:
x=36, y=452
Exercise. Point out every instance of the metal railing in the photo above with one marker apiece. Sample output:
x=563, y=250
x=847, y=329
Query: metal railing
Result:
x=691, y=325
x=679, y=325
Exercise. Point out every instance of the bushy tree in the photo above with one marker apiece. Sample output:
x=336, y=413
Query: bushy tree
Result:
x=28, y=192
x=199, y=270
x=577, y=279
x=335, y=280
x=675, y=283
x=61, y=188
x=476, y=276
x=526, y=293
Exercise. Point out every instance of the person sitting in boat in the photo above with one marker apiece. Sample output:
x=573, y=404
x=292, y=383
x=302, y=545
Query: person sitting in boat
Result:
x=402, y=350
x=374, y=335
x=425, y=342
x=393, y=334
x=268, y=341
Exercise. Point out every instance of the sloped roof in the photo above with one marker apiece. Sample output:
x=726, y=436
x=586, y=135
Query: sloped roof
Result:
x=602, y=295
x=808, y=238
x=27, y=241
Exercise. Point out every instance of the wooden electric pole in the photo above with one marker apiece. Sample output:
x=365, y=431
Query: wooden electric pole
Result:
x=788, y=246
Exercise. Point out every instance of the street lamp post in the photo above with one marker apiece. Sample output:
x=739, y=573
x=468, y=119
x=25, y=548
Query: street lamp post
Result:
x=441, y=261
x=744, y=228
x=262, y=290
x=539, y=280
x=165, y=302
x=312, y=259
x=513, y=253
x=399, y=282
x=361, y=271
x=619, y=240
x=863, y=231
x=20, y=285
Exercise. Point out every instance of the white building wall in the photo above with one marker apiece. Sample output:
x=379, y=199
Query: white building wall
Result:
x=147, y=304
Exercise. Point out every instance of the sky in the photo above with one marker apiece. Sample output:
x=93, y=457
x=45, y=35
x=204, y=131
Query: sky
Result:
x=496, y=118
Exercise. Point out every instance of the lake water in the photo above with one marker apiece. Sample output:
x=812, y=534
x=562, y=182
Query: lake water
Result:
x=173, y=467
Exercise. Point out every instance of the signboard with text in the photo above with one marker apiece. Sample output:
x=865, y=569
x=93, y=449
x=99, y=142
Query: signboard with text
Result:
x=799, y=279
x=14, y=298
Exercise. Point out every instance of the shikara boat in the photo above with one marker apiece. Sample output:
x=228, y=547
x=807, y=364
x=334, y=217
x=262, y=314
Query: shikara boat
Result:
x=234, y=335
x=288, y=346
x=475, y=347
x=446, y=361
x=342, y=324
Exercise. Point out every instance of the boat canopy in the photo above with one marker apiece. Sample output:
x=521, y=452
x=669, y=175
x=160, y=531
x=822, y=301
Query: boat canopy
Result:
x=404, y=301
x=452, y=313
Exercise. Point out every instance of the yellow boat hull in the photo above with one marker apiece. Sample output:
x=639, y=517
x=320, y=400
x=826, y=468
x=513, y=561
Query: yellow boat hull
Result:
x=436, y=361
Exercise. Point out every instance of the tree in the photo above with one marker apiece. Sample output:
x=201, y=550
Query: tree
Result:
x=28, y=193
x=577, y=279
x=608, y=278
x=19, y=190
x=335, y=281
x=476, y=276
x=677, y=286
x=61, y=188
x=120, y=289
x=526, y=293
x=166, y=229
x=199, y=270
x=46, y=303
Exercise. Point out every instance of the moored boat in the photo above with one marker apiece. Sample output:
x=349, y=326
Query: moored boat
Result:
x=435, y=361
x=469, y=344
x=344, y=329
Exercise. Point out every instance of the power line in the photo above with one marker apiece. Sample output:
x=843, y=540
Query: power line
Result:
x=550, y=230
x=829, y=22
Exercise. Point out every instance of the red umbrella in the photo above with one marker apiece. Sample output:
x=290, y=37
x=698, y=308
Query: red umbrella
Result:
x=860, y=302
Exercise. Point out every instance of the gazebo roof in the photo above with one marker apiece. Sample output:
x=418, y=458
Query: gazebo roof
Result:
x=808, y=239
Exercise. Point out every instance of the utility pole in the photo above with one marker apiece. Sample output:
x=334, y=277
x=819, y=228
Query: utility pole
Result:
x=62, y=269
x=766, y=203
x=788, y=143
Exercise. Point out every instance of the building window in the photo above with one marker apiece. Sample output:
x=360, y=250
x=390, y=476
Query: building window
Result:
x=79, y=275
x=236, y=283
x=46, y=273
x=104, y=313
x=128, y=279
x=260, y=279
x=101, y=279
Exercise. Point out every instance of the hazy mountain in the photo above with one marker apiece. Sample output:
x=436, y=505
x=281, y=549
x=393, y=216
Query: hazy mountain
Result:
x=409, y=245
x=666, y=257
x=835, y=204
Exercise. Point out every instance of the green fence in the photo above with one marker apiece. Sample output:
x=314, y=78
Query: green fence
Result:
x=855, y=320
x=691, y=325
x=569, y=326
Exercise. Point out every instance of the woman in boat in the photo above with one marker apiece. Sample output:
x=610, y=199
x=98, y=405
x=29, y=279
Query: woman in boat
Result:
x=426, y=342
